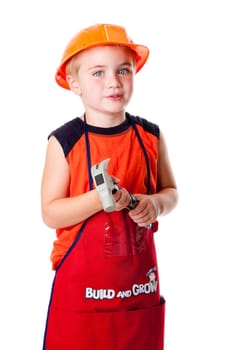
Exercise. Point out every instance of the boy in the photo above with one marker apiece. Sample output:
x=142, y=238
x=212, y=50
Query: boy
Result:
x=105, y=293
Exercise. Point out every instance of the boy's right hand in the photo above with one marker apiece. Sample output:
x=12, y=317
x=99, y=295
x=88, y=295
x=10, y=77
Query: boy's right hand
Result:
x=122, y=198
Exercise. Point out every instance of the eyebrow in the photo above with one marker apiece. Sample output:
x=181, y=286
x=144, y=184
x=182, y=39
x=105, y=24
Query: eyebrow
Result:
x=98, y=66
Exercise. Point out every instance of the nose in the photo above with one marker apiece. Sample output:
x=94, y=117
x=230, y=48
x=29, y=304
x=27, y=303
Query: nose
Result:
x=113, y=80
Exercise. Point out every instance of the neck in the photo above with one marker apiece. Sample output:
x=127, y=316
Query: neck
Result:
x=104, y=121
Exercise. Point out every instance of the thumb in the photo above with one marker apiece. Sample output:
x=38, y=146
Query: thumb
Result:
x=115, y=179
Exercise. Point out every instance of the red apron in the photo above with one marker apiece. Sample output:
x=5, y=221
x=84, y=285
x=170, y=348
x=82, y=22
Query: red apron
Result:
x=106, y=293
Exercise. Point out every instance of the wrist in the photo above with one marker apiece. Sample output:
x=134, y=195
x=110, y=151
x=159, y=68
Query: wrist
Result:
x=157, y=207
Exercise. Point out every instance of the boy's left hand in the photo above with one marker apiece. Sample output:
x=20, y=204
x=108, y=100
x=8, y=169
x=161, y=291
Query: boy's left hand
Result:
x=146, y=212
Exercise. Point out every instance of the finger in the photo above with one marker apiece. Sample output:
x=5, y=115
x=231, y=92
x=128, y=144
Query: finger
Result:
x=115, y=179
x=121, y=197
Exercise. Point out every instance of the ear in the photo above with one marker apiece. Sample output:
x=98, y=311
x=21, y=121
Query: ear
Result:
x=73, y=84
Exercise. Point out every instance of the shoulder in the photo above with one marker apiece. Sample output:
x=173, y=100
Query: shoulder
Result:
x=68, y=134
x=145, y=124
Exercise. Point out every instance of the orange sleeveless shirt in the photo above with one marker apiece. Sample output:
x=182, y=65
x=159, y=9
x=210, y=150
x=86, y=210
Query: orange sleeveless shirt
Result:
x=121, y=144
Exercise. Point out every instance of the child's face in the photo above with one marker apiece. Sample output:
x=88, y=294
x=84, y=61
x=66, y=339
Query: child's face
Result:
x=104, y=79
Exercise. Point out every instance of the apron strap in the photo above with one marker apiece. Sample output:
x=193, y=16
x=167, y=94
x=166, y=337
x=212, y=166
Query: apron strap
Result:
x=88, y=153
x=145, y=153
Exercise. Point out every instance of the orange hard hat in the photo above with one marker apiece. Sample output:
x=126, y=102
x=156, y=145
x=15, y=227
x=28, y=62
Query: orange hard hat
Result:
x=99, y=35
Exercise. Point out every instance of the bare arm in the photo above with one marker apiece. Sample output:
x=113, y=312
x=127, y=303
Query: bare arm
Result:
x=58, y=210
x=166, y=198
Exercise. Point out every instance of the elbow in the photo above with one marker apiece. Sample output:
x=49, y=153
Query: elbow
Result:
x=48, y=219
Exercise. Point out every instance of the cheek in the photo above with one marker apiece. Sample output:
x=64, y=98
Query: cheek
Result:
x=91, y=91
x=129, y=85
x=92, y=85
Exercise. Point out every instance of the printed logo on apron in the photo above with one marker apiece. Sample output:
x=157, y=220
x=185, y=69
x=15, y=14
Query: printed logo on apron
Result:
x=135, y=290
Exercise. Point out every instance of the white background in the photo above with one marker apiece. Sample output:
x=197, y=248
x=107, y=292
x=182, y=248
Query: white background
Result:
x=186, y=87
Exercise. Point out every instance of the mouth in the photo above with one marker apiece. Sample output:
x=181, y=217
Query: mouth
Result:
x=115, y=97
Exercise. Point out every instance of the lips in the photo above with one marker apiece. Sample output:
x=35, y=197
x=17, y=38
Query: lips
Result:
x=116, y=97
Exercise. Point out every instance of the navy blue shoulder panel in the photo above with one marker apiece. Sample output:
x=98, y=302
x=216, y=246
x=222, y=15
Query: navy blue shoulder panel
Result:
x=146, y=125
x=68, y=134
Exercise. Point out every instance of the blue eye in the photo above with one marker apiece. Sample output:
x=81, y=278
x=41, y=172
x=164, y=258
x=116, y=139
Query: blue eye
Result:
x=98, y=73
x=123, y=71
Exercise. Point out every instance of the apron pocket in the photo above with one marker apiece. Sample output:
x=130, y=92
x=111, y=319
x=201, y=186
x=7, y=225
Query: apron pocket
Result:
x=118, y=330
